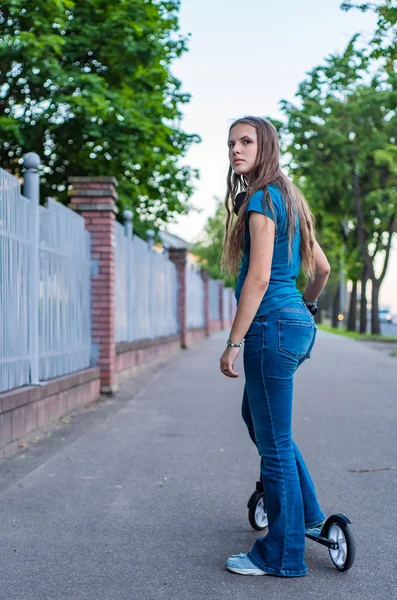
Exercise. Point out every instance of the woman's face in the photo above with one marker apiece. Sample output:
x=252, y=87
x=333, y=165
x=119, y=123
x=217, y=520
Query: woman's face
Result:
x=243, y=147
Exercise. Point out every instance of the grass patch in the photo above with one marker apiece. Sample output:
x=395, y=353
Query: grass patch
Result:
x=394, y=352
x=358, y=336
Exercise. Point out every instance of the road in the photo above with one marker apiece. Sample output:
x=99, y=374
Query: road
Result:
x=145, y=497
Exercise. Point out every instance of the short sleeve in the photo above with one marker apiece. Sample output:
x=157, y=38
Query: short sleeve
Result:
x=256, y=204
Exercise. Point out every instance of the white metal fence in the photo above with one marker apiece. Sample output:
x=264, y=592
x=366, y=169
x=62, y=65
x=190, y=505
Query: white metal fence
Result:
x=146, y=289
x=15, y=244
x=45, y=288
x=122, y=290
x=213, y=291
x=45, y=304
x=64, y=291
x=233, y=304
x=194, y=297
x=226, y=303
x=164, y=295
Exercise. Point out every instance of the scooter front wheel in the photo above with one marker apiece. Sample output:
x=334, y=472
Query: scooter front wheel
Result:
x=336, y=529
x=257, y=514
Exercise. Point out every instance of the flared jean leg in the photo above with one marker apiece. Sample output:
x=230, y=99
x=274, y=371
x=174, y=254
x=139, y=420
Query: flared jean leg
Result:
x=281, y=551
x=311, y=507
x=312, y=510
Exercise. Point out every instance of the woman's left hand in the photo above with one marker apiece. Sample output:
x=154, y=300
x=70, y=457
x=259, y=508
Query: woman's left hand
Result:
x=227, y=361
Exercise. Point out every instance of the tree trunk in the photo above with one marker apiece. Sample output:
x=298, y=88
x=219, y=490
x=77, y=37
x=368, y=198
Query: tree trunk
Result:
x=375, y=326
x=362, y=237
x=363, y=302
x=351, y=321
x=335, y=308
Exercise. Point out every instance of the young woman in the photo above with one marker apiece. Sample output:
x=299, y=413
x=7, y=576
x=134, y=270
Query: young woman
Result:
x=274, y=232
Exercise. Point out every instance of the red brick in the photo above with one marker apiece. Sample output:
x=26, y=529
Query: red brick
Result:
x=102, y=278
x=101, y=304
x=101, y=225
x=106, y=349
x=104, y=252
x=105, y=321
x=99, y=285
x=103, y=325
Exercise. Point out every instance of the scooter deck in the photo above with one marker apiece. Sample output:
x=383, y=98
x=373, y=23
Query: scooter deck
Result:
x=316, y=537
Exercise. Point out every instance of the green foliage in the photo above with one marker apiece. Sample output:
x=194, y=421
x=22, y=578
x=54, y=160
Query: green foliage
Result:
x=345, y=126
x=209, y=250
x=384, y=41
x=87, y=85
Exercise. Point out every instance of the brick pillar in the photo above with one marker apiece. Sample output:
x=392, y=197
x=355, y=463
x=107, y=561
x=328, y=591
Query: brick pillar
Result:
x=205, y=277
x=94, y=198
x=178, y=256
x=221, y=308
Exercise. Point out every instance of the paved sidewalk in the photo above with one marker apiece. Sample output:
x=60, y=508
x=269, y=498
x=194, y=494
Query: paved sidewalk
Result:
x=146, y=501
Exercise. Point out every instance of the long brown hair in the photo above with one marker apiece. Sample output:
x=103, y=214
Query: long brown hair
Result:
x=266, y=170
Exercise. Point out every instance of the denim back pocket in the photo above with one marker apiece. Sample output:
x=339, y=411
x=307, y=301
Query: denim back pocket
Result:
x=295, y=336
x=309, y=352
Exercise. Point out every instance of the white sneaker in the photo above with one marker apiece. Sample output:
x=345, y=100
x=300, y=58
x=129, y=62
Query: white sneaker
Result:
x=241, y=564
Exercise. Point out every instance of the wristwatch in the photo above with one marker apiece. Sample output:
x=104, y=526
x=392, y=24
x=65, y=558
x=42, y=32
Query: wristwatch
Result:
x=311, y=306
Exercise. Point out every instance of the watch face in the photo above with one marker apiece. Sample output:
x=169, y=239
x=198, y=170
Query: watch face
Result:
x=313, y=310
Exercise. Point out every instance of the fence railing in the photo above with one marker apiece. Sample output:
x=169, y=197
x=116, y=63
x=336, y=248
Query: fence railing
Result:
x=47, y=325
x=45, y=301
x=195, y=297
x=226, y=299
x=213, y=291
x=15, y=248
x=164, y=291
x=146, y=288
x=123, y=294
x=64, y=292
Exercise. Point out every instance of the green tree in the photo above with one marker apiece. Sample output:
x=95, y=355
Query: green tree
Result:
x=383, y=44
x=342, y=139
x=87, y=85
x=209, y=248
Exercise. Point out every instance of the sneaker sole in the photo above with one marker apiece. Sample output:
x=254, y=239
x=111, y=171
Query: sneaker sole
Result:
x=246, y=571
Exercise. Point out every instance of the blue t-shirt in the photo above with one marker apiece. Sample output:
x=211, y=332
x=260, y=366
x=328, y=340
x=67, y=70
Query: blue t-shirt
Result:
x=282, y=285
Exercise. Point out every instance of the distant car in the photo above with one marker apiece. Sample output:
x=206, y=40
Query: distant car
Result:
x=385, y=316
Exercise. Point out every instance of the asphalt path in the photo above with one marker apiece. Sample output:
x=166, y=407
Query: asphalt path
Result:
x=143, y=496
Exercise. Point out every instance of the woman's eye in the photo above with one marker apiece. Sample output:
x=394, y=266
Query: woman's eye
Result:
x=247, y=141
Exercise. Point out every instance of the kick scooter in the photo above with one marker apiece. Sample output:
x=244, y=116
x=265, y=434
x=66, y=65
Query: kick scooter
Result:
x=335, y=534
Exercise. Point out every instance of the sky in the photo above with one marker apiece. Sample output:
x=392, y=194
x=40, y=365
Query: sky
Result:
x=243, y=58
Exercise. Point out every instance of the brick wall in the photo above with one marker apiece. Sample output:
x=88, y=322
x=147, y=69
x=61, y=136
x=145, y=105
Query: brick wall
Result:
x=94, y=198
x=28, y=409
